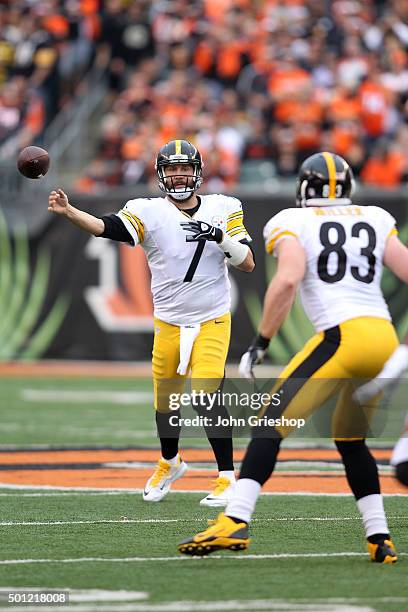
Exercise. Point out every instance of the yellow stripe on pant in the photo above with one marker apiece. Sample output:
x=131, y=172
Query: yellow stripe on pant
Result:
x=329, y=364
x=207, y=360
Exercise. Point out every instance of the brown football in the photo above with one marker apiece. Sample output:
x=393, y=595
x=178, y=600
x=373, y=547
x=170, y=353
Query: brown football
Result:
x=33, y=162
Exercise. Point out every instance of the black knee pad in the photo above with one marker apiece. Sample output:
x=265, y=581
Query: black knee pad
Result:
x=401, y=472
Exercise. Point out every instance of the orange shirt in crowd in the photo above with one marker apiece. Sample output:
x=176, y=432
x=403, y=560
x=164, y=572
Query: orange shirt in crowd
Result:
x=57, y=25
x=35, y=117
x=131, y=148
x=89, y=7
x=307, y=135
x=229, y=62
x=343, y=108
x=285, y=82
x=374, y=107
x=384, y=172
x=203, y=57
x=291, y=110
x=343, y=137
x=215, y=9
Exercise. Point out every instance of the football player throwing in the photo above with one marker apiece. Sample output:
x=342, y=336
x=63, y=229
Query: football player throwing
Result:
x=188, y=240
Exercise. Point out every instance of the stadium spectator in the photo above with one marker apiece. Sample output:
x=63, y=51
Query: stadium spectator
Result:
x=386, y=167
x=45, y=48
x=332, y=76
x=254, y=81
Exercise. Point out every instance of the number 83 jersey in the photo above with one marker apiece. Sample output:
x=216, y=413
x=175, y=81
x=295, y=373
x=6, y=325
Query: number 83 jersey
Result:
x=344, y=248
x=189, y=279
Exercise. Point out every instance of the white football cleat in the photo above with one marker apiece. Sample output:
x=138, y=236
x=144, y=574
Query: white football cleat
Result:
x=221, y=494
x=159, y=484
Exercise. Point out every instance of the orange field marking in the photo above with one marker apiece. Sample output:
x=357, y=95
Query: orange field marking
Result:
x=147, y=455
x=114, y=478
x=94, y=369
x=198, y=480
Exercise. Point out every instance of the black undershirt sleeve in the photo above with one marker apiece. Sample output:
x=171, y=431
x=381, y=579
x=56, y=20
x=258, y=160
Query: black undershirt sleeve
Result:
x=115, y=229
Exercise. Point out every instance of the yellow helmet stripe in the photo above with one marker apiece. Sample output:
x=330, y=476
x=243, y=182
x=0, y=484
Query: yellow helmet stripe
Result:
x=178, y=147
x=331, y=167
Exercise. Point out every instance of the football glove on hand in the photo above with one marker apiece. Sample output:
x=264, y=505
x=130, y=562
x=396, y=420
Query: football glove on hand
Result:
x=200, y=230
x=254, y=355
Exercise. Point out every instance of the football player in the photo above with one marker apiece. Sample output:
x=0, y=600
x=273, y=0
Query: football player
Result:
x=188, y=240
x=395, y=367
x=334, y=251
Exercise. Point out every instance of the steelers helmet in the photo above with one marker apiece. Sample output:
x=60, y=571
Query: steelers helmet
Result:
x=324, y=179
x=179, y=152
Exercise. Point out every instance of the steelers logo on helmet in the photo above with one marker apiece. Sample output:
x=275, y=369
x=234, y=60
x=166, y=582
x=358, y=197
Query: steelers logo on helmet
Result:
x=179, y=186
x=324, y=179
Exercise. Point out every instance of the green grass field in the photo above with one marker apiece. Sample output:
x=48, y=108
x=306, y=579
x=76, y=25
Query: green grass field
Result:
x=289, y=531
x=307, y=552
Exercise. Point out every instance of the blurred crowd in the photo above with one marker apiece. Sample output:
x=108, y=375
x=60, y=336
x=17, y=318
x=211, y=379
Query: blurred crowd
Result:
x=247, y=81
x=46, y=46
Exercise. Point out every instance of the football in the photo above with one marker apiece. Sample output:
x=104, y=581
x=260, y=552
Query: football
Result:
x=33, y=162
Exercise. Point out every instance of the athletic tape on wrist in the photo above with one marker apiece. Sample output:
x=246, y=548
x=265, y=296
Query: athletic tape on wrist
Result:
x=234, y=251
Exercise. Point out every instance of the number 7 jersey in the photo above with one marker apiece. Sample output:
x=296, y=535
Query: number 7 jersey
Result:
x=189, y=279
x=344, y=248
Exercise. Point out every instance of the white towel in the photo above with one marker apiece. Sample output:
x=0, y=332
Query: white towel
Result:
x=188, y=334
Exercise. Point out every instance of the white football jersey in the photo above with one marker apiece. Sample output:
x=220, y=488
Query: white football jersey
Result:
x=344, y=248
x=189, y=279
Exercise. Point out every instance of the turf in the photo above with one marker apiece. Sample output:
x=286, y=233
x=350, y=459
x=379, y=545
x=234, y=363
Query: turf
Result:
x=284, y=524
x=199, y=579
x=27, y=419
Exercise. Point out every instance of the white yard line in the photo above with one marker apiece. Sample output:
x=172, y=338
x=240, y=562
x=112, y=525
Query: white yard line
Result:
x=243, y=557
x=208, y=606
x=74, y=493
x=74, y=430
x=80, y=595
x=114, y=491
x=194, y=467
x=111, y=601
x=125, y=520
x=96, y=396
x=100, y=522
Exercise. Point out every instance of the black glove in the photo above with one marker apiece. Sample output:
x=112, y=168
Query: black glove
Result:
x=200, y=230
x=254, y=355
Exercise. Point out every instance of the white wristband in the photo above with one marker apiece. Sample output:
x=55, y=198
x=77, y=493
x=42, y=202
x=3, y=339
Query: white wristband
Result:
x=235, y=252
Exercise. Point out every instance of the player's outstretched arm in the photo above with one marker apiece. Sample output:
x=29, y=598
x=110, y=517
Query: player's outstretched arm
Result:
x=277, y=303
x=58, y=203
